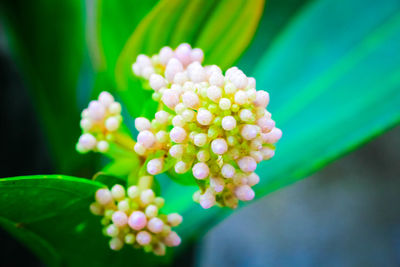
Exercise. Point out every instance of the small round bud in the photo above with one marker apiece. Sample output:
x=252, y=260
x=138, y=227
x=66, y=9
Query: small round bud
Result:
x=140, y=149
x=162, y=117
x=118, y=192
x=96, y=209
x=244, y=193
x=130, y=239
x=112, y=124
x=155, y=166
x=170, y=98
x=247, y=164
x=253, y=179
x=162, y=136
x=204, y=117
x=116, y=243
x=176, y=151
x=146, y=138
x=228, y=171
x=147, y=196
x=240, y=81
x=112, y=230
x=217, y=79
x=106, y=98
x=103, y=146
x=219, y=146
x=137, y=220
x=214, y=93
x=249, y=132
x=165, y=55
x=157, y=82
x=143, y=238
x=86, y=124
x=262, y=99
x=188, y=115
x=200, y=139
x=246, y=115
x=178, y=134
x=119, y=218
x=203, y=155
x=272, y=137
x=181, y=167
x=142, y=124
x=190, y=99
x=240, y=98
x=178, y=121
x=173, y=67
x=200, y=170
x=123, y=205
x=151, y=211
x=133, y=191
x=266, y=124
x=228, y=123
x=224, y=103
x=207, y=200
x=172, y=239
x=174, y=219
x=96, y=110
x=87, y=141
x=155, y=225
x=183, y=53
x=115, y=108
x=159, y=201
x=197, y=55
x=230, y=88
x=217, y=184
x=103, y=196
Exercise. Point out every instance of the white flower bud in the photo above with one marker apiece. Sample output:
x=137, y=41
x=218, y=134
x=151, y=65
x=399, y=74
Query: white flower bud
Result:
x=203, y=155
x=240, y=98
x=214, y=93
x=247, y=164
x=200, y=139
x=200, y=170
x=253, y=179
x=262, y=99
x=103, y=196
x=244, y=193
x=142, y=124
x=157, y=82
x=96, y=110
x=115, y=108
x=116, y=243
x=174, y=219
x=190, y=99
x=181, y=167
x=249, y=132
x=155, y=225
x=224, y=103
x=118, y=192
x=146, y=138
x=228, y=171
x=102, y=146
x=87, y=141
x=162, y=117
x=170, y=98
x=204, y=117
x=119, y=218
x=165, y=55
x=139, y=149
x=178, y=134
x=143, y=238
x=151, y=211
x=106, y=98
x=133, y=191
x=176, y=151
x=155, y=166
x=228, y=123
x=219, y=146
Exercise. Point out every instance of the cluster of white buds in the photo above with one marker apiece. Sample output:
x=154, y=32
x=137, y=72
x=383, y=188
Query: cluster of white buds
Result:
x=213, y=124
x=100, y=120
x=133, y=217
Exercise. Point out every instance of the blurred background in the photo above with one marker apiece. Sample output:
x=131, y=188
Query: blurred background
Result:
x=348, y=214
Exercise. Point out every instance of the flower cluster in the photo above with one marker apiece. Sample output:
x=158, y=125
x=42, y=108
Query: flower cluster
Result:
x=100, y=120
x=214, y=124
x=132, y=217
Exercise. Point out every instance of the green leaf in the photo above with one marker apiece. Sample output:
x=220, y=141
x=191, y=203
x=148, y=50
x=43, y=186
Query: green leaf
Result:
x=47, y=39
x=223, y=29
x=51, y=215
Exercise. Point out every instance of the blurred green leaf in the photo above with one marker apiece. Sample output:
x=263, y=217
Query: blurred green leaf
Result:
x=57, y=223
x=47, y=39
x=223, y=29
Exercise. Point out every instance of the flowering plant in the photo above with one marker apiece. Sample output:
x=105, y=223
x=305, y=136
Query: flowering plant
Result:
x=183, y=137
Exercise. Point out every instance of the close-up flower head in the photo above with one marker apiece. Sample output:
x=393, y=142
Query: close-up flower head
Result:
x=177, y=133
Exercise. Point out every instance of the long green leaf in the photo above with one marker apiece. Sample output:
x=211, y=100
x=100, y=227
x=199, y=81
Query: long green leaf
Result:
x=47, y=39
x=51, y=215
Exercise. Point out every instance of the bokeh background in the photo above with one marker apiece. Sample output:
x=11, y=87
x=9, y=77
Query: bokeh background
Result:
x=348, y=214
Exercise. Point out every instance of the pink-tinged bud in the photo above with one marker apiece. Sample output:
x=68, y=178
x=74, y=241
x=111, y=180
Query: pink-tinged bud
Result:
x=247, y=164
x=217, y=184
x=118, y=192
x=267, y=153
x=230, y=88
x=174, y=219
x=253, y=179
x=178, y=121
x=155, y=166
x=143, y=60
x=214, y=93
x=200, y=170
x=180, y=78
x=106, y=98
x=228, y=123
x=137, y=220
x=116, y=243
x=96, y=110
x=176, y=151
x=139, y=149
x=178, y=134
x=246, y=115
x=157, y=82
x=119, y=218
x=170, y=98
x=197, y=55
x=225, y=103
x=190, y=99
x=183, y=53
x=143, y=238
x=115, y=108
x=173, y=67
x=204, y=117
x=162, y=117
x=146, y=138
x=256, y=144
x=87, y=141
x=272, y=137
x=147, y=196
x=217, y=79
x=200, y=139
x=256, y=155
x=207, y=200
x=249, y=132
x=165, y=55
x=231, y=71
x=240, y=81
x=112, y=124
x=172, y=239
x=155, y=225
x=142, y=124
x=244, y=193
x=251, y=82
x=266, y=124
x=219, y=146
x=103, y=196
x=228, y=171
x=240, y=97
x=262, y=99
